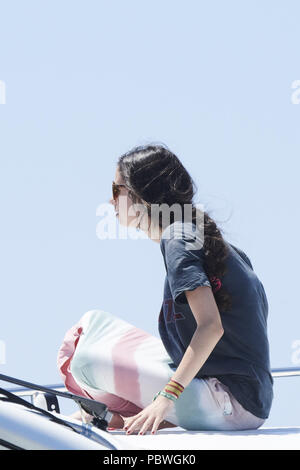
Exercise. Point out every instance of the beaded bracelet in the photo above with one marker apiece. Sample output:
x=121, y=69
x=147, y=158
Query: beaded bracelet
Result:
x=167, y=395
x=172, y=390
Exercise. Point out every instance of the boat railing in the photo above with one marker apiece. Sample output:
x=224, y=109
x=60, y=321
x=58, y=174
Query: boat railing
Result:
x=23, y=391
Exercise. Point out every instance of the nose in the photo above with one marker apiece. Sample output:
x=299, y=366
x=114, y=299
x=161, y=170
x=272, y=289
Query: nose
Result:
x=114, y=203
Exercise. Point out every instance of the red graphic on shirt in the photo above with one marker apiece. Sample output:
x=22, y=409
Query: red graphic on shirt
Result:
x=216, y=282
x=171, y=316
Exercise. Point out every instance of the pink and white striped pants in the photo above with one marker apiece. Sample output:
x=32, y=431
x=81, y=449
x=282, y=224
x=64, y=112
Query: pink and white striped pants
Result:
x=107, y=359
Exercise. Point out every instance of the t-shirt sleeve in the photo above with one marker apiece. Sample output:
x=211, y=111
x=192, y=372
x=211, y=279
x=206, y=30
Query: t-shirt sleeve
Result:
x=242, y=255
x=184, y=266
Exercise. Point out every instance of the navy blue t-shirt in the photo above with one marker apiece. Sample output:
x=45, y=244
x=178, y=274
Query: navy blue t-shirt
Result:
x=240, y=359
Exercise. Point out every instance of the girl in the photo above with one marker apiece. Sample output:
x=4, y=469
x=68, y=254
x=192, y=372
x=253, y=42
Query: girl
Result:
x=210, y=369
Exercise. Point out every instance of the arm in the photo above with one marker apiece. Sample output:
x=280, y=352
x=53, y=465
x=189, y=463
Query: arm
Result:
x=208, y=332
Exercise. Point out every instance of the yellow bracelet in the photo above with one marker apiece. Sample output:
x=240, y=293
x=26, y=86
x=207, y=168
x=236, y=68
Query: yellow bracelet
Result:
x=174, y=388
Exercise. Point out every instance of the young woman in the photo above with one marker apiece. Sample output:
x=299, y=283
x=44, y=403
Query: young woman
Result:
x=210, y=369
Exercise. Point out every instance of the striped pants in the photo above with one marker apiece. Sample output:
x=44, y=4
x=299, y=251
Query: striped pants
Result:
x=107, y=359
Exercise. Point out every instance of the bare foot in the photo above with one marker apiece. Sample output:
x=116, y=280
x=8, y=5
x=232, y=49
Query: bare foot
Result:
x=117, y=422
x=81, y=415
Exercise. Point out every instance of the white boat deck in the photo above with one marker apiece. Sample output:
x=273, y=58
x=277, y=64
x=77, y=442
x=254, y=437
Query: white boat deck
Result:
x=269, y=438
x=264, y=438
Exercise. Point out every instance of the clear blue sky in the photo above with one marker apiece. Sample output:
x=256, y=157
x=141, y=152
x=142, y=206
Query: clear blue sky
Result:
x=88, y=80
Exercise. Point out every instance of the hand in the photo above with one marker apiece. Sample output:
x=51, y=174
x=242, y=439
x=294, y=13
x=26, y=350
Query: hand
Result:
x=149, y=417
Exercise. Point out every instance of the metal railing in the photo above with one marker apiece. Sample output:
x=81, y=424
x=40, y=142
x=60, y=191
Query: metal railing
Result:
x=285, y=372
x=22, y=391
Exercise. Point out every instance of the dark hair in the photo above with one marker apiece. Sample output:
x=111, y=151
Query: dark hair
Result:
x=155, y=175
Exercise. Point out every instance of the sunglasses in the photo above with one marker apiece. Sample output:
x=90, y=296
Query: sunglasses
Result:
x=116, y=189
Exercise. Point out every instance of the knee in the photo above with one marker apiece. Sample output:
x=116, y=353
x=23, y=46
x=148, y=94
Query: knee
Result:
x=78, y=367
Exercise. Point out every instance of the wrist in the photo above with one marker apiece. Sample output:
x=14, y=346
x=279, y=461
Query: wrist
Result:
x=163, y=399
x=171, y=391
x=174, y=389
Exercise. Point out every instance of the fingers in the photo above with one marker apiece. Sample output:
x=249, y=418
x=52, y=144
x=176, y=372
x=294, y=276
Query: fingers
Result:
x=146, y=425
x=134, y=425
x=156, y=423
x=129, y=420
